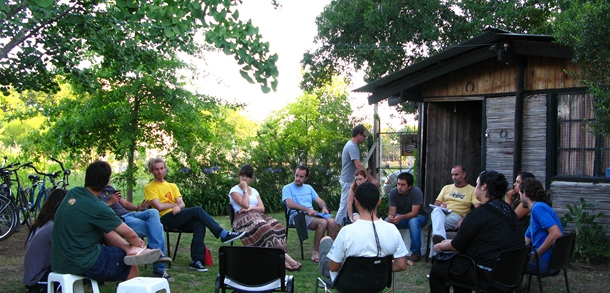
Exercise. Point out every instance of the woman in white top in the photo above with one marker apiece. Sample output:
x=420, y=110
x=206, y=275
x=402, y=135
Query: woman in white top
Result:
x=261, y=230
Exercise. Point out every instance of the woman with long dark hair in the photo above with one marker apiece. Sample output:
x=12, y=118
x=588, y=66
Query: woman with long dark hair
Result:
x=260, y=230
x=485, y=232
x=37, y=260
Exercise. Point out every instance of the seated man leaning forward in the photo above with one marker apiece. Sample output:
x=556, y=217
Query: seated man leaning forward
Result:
x=300, y=196
x=166, y=198
x=458, y=197
x=406, y=211
x=82, y=222
x=143, y=221
x=369, y=236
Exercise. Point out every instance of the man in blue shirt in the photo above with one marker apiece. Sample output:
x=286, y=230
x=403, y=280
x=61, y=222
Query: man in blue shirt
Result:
x=300, y=196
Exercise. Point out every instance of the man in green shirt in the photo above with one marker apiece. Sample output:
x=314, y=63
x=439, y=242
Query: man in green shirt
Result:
x=88, y=235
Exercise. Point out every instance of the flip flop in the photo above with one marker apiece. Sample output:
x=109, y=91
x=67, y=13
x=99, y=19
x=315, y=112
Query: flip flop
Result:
x=293, y=268
x=143, y=257
x=315, y=259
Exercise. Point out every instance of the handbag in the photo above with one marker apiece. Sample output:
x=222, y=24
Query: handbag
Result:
x=208, y=257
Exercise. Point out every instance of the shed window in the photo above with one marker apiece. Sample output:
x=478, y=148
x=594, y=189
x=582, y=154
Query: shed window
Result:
x=579, y=152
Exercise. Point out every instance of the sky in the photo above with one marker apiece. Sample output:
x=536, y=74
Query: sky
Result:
x=290, y=30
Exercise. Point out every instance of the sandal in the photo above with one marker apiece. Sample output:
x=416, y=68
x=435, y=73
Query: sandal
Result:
x=143, y=257
x=293, y=267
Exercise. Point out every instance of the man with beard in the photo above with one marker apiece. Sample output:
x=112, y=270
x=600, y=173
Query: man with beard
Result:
x=455, y=201
x=300, y=196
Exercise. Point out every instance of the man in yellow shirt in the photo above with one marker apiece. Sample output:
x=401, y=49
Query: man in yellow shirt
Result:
x=457, y=199
x=166, y=198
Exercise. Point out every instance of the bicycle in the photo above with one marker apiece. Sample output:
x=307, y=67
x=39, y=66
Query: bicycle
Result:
x=36, y=201
x=9, y=214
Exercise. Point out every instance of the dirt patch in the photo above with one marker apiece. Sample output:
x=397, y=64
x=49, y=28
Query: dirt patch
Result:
x=11, y=258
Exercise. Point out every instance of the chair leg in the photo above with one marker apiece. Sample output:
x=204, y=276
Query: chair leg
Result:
x=177, y=244
x=168, y=248
x=302, y=254
x=540, y=283
x=428, y=243
x=565, y=276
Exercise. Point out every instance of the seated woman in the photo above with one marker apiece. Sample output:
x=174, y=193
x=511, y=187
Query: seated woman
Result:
x=484, y=233
x=260, y=229
x=37, y=260
x=359, y=178
x=513, y=198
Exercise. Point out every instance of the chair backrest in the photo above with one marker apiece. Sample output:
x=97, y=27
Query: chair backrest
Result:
x=562, y=251
x=509, y=268
x=364, y=274
x=252, y=266
x=231, y=214
x=287, y=215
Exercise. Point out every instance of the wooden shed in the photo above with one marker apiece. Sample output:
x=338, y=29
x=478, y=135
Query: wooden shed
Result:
x=506, y=102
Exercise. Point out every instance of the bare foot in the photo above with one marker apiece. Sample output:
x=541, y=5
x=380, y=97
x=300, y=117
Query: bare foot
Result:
x=315, y=256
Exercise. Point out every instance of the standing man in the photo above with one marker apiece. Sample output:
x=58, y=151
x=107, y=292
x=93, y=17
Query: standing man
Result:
x=166, y=198
x=350, y=162
x=143, y=221
x=300, y=196
x=456, y=200
x=406, y=211
x=82, y=221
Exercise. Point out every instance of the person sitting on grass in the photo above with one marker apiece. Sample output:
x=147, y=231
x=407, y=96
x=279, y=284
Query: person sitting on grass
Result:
x=369, y=236
x=37, y=260
x=261, y=230
x=83, y=222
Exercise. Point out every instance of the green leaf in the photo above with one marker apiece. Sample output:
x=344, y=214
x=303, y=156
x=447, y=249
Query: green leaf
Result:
x=265, y=89
x=246, y=76
x=235, y=15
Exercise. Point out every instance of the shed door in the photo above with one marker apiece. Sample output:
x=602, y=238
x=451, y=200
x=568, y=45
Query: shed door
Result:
x=452, y=136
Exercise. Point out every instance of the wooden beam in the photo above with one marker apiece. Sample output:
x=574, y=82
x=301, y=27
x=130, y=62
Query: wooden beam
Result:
x=440, y=69
x=541, y=49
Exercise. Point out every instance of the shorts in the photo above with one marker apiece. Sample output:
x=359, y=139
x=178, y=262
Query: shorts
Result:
x=109, y=266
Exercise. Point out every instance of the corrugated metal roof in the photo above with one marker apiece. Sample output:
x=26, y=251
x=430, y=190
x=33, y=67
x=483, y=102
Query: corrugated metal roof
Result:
x=488, y=38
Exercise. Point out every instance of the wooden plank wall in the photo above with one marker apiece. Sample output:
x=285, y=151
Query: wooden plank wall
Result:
x=570, y=193
x=535, y=136
x=453, y=137
x=492, y=77
x=500, y=134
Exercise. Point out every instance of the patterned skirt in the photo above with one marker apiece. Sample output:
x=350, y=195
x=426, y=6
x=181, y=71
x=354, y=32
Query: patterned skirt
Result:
x=261, y=230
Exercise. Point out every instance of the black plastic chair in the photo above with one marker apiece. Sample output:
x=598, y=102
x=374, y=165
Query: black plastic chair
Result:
x=561, y=256
x=167, y=238
x=299, y=224
x=506, y=275
x=231, y=218
x=361, y=275
x=252, y=269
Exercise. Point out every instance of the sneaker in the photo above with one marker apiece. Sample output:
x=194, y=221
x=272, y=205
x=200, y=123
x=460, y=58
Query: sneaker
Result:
x=196, y=265
x=231, y=236
x=165, y=275
x=436, y=239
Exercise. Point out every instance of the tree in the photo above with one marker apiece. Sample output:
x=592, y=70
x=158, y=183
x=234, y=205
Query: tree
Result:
x=583, y=26
x=383, y=36
x=45, y=38
x=310, y=131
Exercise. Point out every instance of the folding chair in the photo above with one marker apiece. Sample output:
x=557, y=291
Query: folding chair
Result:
x=231, y=217
x=361, y=275
x=561, y=256
x=167, y=231
x=506, y=275
x=252, y=269
x=299, y=224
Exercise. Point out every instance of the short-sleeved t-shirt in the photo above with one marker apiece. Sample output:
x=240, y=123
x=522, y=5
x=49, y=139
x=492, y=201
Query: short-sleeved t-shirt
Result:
x=404, y=202
x=302, y=195
x=358, y=239
x=79, y=224
x=105, y=195
x=458, y=199
x=542, y=218
x=253, y=197
x=348, y=168
x=37, y=259
x=164, y=191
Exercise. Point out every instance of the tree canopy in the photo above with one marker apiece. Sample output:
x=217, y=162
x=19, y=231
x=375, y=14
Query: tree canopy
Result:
x=383, y=36
x=41, y=39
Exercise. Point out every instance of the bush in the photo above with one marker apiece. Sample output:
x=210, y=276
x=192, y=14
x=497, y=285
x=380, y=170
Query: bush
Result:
x=592, y=244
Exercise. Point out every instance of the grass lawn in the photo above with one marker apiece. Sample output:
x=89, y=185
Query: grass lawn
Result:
x=582, y=278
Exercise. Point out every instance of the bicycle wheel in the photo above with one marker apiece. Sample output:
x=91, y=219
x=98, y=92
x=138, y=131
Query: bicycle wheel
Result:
x=24, y=208
x=8, y=217
x=42, y=197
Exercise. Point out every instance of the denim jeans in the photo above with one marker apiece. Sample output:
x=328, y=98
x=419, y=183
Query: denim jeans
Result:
x=147, y=223
x=414, y=225
x=193, y=219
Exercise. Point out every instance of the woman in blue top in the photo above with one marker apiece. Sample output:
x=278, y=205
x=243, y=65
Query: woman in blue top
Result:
x=545, y=227
x=261, y=230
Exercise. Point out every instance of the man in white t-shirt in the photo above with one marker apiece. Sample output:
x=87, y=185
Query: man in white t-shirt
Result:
x=361, y=238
